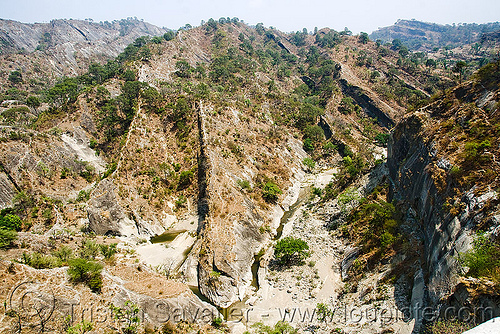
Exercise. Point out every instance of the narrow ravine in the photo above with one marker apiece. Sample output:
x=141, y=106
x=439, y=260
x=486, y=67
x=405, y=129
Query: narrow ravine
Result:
x=268, y=302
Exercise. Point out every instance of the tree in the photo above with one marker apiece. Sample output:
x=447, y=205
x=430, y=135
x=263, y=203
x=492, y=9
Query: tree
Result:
x=307, y=115
x=33, y=102
x=211, y=24
x=151, y=99
x=183, y=69
x=430, y=63
x=270, y=192
x=145, y=53
x=363, y=38
x=460, y=68
x=129, y=75
x=403, y=51
x=291, y=250
x=346, y=105
x=64, y=92
x=156, y=40
x=15, y=77
x=315, y=133
x=281, y=327
x=396, y=44
x=88, y=272
x=169, y=35
x=260, y=28
x=346, y=32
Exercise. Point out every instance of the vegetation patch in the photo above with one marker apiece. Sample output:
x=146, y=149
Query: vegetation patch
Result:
x=483, y=261
x=289, y=251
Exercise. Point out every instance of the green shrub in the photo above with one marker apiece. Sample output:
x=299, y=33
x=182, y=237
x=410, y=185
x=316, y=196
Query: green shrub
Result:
x=87, y=175
x=214, y=274
x=244, y=184
x=323, y=312
x=353, y=165
x=451, y=326
x=10, y=222
x=180, y=202
x=382, y=138
x=87, y=272
x=484, y=258
x=7, y=236
x=309, y=163
x=108, y=250
x=387, y=239
x=349, y=195
x=41, y=261
x=90, y=249
x=63, y=253
x=185, y=179
x=317, y=191
x=281, y=327
x=93, y=143
x=379, y=221
x=15, y=77
x=128, y=317
x=346, y=105
x=270, y=192
x=307, y=145
x=455, y=170
x=291, y=250
x=110, y=168
x=83, y=196
x=80, y=328
x=474, y=150
x=217, y=322
x=64, y=173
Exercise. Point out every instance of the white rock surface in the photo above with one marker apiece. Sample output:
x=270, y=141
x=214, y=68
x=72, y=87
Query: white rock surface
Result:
x=489, y=327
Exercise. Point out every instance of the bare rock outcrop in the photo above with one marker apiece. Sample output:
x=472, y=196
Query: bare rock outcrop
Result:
x=105, y=215
x=7, y=191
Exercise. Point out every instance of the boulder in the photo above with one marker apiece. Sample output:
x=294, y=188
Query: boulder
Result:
x=106, y=216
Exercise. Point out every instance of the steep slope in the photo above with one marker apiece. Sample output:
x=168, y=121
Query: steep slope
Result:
x=444, y=176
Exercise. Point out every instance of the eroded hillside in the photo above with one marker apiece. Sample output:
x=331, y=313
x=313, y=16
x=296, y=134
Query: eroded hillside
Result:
x=45, y=52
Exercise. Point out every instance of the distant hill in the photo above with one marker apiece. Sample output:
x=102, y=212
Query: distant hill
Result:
x=16, y=36
x=419, y=35
x=68, y=46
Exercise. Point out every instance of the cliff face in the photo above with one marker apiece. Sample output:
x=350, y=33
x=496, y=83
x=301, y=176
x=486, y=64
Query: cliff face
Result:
x=444, y=183
x=411, y=160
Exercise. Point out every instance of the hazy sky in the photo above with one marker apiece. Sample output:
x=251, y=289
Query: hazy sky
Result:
x=291, y=15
